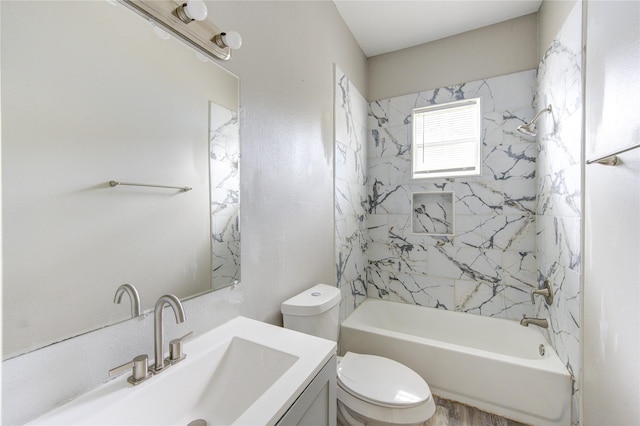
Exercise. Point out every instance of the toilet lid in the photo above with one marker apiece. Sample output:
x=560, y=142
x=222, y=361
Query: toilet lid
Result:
x=381, y=381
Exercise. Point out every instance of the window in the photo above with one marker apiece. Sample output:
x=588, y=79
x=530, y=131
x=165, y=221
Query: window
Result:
x=446, y=140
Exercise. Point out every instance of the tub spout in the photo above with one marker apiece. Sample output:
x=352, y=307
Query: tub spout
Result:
x=540, y=322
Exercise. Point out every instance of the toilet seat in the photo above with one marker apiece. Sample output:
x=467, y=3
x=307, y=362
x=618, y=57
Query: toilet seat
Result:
x=382, y=381
x=379, y=390
x=366, y=413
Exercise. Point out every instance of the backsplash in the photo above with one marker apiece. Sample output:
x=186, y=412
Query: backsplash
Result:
x=558, y=213
x=488, y=267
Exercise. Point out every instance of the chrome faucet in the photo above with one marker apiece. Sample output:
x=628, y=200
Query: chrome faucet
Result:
x=540, y=322
x=178, y=310
x=133, y=295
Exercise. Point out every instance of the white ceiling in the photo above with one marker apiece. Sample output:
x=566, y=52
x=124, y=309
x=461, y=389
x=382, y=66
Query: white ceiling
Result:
x=382, y=26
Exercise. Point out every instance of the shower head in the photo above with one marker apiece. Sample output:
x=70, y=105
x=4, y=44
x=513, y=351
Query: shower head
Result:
x=529, y=129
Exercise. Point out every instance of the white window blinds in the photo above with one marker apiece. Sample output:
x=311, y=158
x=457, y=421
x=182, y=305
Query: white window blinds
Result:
x=446, y=139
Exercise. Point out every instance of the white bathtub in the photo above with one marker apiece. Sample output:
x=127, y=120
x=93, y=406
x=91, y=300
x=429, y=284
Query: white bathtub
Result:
x=492, y=364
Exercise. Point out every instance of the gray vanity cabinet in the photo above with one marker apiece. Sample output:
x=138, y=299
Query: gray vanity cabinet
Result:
x=317, y=404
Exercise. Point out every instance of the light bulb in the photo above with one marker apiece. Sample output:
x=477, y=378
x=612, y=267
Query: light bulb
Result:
x=192, y=10
x=196, y=10
x=233, y=39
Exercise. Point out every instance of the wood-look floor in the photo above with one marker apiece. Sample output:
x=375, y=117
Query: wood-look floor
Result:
x=450, y=413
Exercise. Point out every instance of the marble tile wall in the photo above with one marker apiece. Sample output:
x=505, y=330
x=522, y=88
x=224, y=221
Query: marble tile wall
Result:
x=558, y=211
x=224, y=161
x=516, y=225
x=489, y=266
x=350, y=156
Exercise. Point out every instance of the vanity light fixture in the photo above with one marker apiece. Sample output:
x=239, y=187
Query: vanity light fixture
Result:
x=230, y=39
x=188, y=23
x=529, y=129
x=192, y=10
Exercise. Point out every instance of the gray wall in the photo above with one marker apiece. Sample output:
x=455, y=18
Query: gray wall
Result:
x=286, y=116
x=611, y=315
x=551, y=17
x=498, y=49
x=286, y=119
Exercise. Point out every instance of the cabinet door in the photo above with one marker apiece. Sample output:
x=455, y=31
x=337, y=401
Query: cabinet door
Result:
x=317, y=404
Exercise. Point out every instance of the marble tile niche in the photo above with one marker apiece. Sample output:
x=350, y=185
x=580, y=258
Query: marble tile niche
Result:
x=432, y=213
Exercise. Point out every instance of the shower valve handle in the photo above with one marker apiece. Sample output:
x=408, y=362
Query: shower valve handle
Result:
x=546, y=291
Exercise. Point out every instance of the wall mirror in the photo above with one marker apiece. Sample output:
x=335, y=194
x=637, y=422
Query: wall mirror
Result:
x=91, y=94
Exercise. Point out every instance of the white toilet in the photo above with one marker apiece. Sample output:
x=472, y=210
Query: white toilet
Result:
x=372, y=390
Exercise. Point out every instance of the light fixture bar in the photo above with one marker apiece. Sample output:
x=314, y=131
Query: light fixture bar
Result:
x=197, y=34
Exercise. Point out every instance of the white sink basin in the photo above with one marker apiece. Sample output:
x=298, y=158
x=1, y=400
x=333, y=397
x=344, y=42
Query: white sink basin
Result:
x=243, y=372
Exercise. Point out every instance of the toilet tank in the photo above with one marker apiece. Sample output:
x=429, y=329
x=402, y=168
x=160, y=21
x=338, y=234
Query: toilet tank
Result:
x=315, y=311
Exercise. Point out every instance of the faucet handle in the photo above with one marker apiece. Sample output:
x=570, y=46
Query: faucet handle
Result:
x=546, y=291
x=175, y=349
x=140, y=366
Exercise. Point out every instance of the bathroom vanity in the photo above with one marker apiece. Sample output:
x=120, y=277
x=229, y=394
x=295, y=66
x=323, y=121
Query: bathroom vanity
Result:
x=242, y=372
